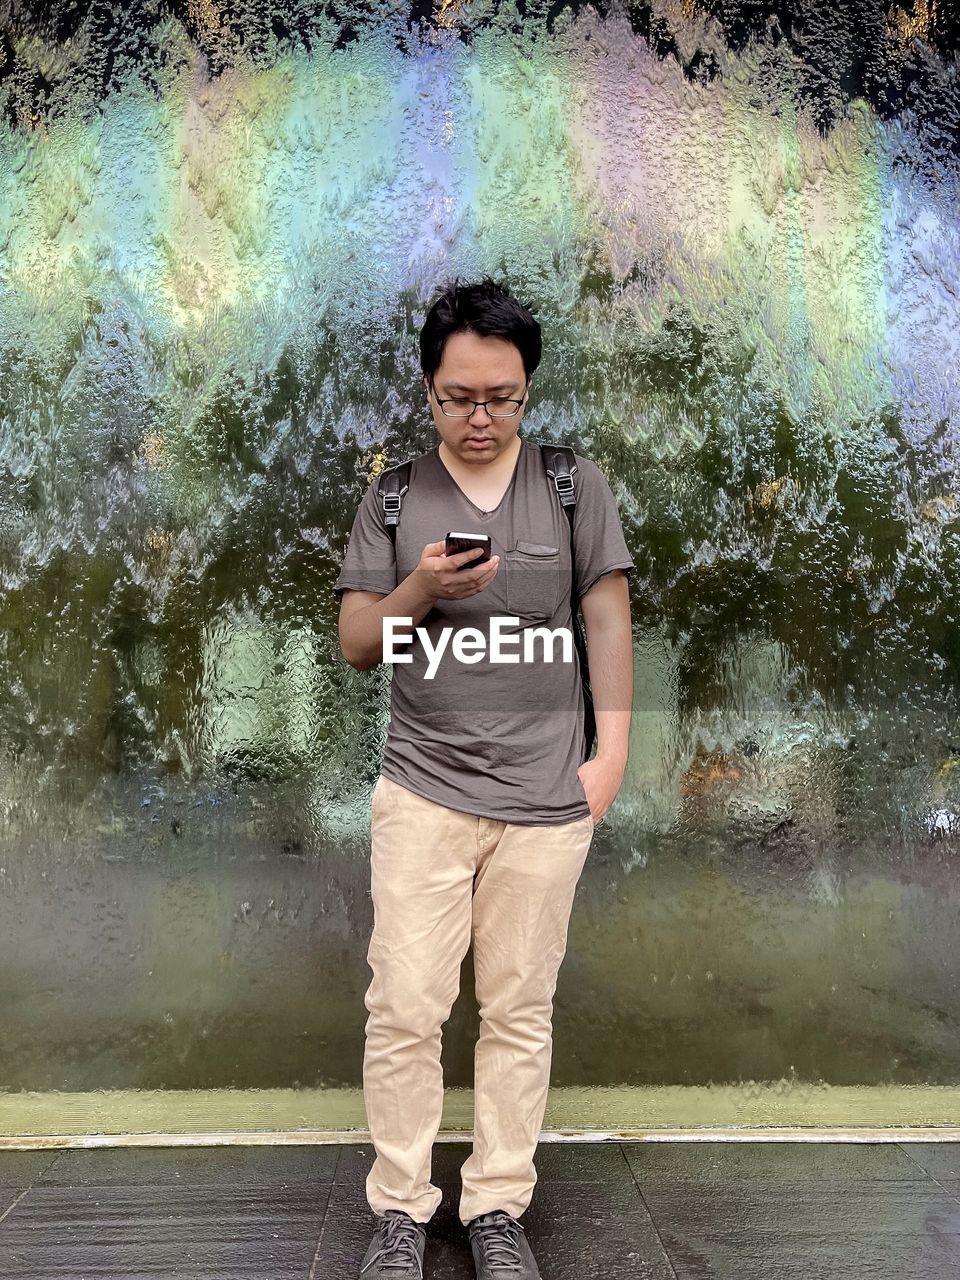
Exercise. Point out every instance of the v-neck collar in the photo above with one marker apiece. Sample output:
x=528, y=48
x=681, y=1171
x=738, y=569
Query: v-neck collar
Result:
x=506, y=492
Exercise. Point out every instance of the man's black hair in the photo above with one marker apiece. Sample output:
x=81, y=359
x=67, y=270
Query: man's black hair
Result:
x=485, y=308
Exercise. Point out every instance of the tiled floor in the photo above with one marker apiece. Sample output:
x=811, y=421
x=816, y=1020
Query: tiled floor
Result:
x=601, y=1211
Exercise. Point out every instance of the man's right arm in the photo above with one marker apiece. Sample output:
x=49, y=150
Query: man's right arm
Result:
x=361, y=620
x=362, y=612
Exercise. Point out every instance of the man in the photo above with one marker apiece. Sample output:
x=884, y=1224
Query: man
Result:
x=483, y=812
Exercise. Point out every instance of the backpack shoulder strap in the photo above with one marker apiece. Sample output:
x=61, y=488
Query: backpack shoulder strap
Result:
x=392, y=485
x=558, y=460
x=560, y=465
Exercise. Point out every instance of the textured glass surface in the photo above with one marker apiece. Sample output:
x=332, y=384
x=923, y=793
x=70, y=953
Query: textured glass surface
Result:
x=220, y=225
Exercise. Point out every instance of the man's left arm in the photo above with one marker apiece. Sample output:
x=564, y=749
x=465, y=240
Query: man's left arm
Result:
x=606, y=616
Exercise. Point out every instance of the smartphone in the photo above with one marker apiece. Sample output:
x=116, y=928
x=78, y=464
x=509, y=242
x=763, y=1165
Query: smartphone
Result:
x=456, y=542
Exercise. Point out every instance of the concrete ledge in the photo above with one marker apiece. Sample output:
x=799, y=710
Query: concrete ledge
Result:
x=778, y=1111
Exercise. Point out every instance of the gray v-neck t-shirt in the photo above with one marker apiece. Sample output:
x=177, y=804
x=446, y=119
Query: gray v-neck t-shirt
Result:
x=501, y=740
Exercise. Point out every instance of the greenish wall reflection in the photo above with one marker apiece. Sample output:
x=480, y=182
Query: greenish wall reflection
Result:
x=741, y=241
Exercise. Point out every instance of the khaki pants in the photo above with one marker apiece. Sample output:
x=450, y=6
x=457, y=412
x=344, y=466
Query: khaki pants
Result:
x=440, y=877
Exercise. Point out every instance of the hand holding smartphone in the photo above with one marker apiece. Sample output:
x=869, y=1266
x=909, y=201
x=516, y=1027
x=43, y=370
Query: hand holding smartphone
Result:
x=442, y=579
x=455, y=542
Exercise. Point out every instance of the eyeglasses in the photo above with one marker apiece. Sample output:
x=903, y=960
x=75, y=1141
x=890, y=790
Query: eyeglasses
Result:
x=462, y=408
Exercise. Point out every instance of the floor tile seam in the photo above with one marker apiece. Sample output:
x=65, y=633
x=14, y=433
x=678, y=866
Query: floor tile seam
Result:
x=947, y=1191
x=764, y=1180
x=37, y=1182
x=311, y=1275
x=762, y=1250
x=193, y=1188
x=650, y=1217
x=767, y=1184
x=905, y=1148
x=719, y=1227
x=337, y=1163
x=10, y=1207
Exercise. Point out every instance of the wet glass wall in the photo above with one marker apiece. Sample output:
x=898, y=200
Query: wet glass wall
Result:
x=219, y=230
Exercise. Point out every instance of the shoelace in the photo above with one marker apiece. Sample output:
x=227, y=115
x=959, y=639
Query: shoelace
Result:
x=499, y=1237
x=399, y=1238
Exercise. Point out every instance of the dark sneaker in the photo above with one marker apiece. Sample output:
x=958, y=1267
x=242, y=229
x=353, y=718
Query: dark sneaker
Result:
x=500, y=1249
x=396, y=1250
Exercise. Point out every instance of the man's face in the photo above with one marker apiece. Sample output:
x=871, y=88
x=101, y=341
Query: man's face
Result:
x=478, y=368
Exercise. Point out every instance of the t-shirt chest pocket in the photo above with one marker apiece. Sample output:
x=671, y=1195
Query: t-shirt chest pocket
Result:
x=533, y=579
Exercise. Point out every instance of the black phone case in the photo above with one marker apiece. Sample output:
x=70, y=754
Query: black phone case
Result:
x=452, y=546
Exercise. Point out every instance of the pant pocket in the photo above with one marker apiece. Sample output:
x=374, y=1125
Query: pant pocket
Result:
x=376, y=795
x=583, y=792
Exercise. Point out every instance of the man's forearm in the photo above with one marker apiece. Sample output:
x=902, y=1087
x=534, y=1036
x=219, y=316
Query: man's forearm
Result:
x=361, y=635
x=611, y=681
